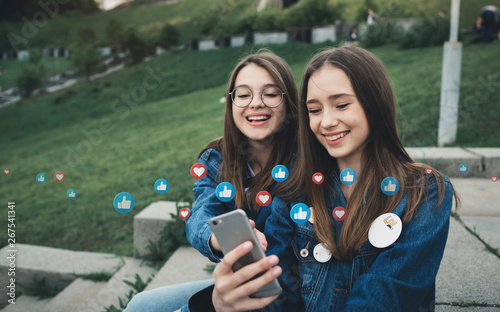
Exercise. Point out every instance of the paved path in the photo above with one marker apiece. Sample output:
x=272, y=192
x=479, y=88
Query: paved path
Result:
x=469, y=273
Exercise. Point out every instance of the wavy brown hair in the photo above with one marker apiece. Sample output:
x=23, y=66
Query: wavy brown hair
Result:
x=233, y=145
x=383, y=156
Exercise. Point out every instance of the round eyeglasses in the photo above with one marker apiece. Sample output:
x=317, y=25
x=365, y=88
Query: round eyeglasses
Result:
x=243, y=96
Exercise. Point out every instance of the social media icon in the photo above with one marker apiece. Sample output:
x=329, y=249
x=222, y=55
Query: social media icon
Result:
x=348, y=176
x=6, y=171
x=389, y=186
x=300, y=213
x=463, y=168
x=280, y=173
x=124, y=202
x=494, y=178
x=41, y=178
x=161, y=186
x=263, y=198
x=198, y=171
x=385, y=230
x=184, y=213
x=225, y=191
x=428, y=170
x=321, y=253
x=339, y=213
x=71, y=194
x=318, y=178
x=59, y=176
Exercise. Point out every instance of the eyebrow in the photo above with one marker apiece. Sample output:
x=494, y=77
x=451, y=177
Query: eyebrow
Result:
x=265, y=86
x=332, y=97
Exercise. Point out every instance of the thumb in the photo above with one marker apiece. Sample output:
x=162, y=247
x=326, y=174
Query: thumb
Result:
x=225, y=187
x=124, y=198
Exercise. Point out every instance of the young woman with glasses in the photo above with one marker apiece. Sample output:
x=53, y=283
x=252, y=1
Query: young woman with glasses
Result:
x=259, y=134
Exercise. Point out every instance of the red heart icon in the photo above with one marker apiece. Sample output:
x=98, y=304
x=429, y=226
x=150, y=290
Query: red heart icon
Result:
x=263, y=198
x=318, y=178
x=339, y=213
x=494, y=178
x=59, y=176
x=184, y=213
x=198, y=171
x=428, y=170
x=6, y=171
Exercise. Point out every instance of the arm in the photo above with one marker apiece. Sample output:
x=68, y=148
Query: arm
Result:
x=402, y=278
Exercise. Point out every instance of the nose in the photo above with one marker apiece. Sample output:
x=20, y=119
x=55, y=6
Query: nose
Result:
x=329, y=119
x=256, y=101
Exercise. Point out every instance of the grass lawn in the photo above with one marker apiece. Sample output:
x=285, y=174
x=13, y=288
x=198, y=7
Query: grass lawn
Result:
x=106, y=146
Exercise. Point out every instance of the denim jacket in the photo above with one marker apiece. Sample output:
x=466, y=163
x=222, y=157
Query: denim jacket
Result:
x=272, y=220
x=400, y=277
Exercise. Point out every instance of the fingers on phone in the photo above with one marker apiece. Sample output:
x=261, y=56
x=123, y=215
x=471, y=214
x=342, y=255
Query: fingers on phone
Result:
x=230, y=259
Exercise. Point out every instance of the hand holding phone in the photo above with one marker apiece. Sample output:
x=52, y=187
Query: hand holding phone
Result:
x=231, y=230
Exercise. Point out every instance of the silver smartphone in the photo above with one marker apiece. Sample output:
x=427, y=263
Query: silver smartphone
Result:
x=233, y=229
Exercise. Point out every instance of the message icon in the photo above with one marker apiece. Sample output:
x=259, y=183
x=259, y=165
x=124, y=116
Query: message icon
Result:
x=318, y=178
x=198, y=171
x=263, y=198
x=6, y=171
x=161, y=186
x=389, y=186
x=348, y=176
x=463, y=168
x=225, y=191
x=300, y=213
x=41, y=178
x=124, y=202
x=59, y=176
x=71, y=194
x=280, y=173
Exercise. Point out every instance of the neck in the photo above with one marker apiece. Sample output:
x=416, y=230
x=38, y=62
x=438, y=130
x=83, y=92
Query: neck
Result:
x=259, y=155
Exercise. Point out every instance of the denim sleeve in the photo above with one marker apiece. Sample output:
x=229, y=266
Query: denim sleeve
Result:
x=402, y=278
x=279, y=231
x=206, y=206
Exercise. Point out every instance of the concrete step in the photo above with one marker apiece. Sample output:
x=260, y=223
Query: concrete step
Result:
x=26, y=304
x=185, y=265
x=482, y=162
x=56, y=266
x=78, y=296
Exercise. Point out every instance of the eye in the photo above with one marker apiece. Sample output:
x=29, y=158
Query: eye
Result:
x=314, y=111
x=342, y=106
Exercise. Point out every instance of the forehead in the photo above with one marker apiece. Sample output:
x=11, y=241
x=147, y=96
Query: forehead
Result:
x=253, y=75
x=329, y=80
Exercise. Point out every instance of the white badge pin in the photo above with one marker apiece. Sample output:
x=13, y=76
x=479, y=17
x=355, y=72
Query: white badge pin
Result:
x=321, y=254
x=385, y=230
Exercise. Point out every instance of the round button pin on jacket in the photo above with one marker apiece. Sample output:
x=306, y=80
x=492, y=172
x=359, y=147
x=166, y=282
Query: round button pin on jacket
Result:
x=321, y=254
x=385, y=230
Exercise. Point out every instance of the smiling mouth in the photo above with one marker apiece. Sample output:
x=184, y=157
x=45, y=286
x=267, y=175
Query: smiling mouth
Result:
x=258, y=118
x=337, y=136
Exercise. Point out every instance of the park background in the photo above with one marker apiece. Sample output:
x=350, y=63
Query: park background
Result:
x=108, y=140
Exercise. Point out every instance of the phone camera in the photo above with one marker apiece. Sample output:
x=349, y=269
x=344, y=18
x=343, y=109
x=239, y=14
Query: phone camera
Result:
x=214, y=222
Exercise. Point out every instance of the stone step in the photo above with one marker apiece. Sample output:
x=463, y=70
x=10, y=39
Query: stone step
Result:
x=76, y=297
x=185, y=265
x=26, y=303
x=56, y=266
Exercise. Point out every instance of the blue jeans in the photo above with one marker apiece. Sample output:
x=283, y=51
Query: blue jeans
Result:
x=167, y=298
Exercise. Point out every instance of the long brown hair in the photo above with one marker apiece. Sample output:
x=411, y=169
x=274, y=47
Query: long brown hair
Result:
x=383, y=156
x=233, y=145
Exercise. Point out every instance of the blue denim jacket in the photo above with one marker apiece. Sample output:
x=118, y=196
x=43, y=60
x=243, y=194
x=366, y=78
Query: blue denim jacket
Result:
x=400, y=277
x=272, y=220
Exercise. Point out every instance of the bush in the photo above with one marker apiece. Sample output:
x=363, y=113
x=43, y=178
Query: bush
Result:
x=374, y=35
x=311, y=13
x=169, y=36
x=427, y=32
x=86, y=56
x=30, y=78
x=137, y=46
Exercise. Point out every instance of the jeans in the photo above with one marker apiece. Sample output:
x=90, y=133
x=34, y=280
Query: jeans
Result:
x=167, y=298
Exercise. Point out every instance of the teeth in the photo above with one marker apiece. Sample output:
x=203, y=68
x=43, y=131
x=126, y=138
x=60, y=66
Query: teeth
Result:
x=257, y=117
x=337, y=136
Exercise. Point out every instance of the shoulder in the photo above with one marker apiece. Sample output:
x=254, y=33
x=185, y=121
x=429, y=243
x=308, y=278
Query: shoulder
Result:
x=211, y=157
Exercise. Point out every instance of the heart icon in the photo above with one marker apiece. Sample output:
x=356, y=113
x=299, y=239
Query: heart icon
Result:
x=184, y=213
x=428, y=170
x=59, y=176
x=317, y=178
x=339, y=213
x=198, y=171
x=264, y=198
x=6, y=171
x=494, y=178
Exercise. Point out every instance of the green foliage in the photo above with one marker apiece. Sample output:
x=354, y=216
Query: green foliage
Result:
x=310, y=13
x=30, y=78
x=169, y=36
x=114, y=32
x=41, y=289
x=96, y=276
x=374, y=35
x=137, y=286
x=430, y=31
x=86, y=56
x=137, y=46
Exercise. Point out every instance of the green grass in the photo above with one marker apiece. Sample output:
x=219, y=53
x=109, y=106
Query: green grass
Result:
x=159, y=136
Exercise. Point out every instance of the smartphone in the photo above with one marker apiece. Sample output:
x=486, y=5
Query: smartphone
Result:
x=232, y=229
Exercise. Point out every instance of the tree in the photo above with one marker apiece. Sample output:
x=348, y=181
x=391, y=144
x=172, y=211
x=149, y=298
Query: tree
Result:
x=114, y=32
x=137, y=47
x=87, y=56
x=169, y=36
x=30, y=78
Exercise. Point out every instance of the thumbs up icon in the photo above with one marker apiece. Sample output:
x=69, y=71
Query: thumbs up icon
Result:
x=161, y=186
x=124, y=204
x=300, y=215
x=225, y=193
x=390, y=187
x=348, y=177
x=463, y=168
x=279, y=173
x=71, y=194
x=40, y=178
